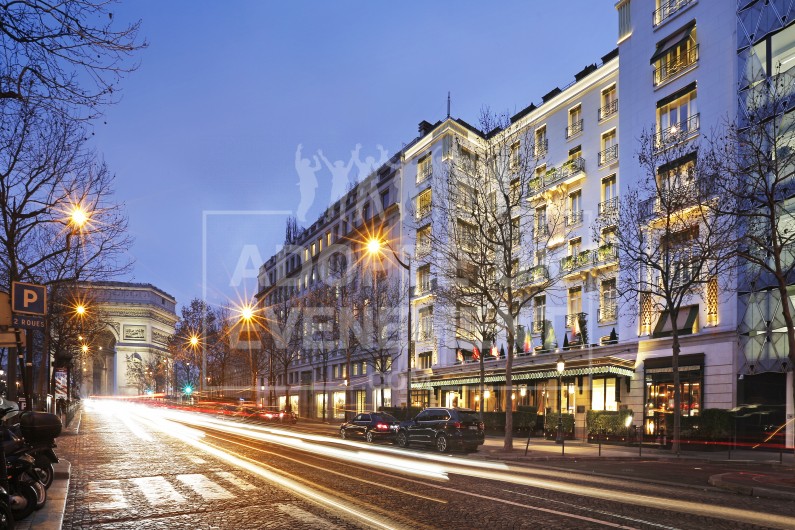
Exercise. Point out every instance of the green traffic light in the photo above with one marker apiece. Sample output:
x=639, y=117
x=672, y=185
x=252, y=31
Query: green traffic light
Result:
x=188, y=389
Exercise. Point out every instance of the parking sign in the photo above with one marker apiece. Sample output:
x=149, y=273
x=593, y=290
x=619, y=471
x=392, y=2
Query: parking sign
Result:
x=28, y=298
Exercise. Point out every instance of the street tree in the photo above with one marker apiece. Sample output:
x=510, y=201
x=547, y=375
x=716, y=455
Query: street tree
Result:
x=756, y=158
x=64, y=55
x=492, y=217
x=285, y=325
x=675, y=244
x=194, y=335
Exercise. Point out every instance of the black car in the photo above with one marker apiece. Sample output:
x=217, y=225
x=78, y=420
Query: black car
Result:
x=370, y=426
x=443, y=428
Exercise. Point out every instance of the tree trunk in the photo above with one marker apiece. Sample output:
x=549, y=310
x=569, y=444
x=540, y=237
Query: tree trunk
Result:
x=508, y=444
x=482, y=377
x=324, y=398
x=676, y=447
x=382, y=390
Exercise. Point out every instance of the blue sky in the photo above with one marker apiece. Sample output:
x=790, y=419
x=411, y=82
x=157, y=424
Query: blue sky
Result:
x=226, y=91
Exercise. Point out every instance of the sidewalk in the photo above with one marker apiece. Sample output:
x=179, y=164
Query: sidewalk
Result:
x=747, y=472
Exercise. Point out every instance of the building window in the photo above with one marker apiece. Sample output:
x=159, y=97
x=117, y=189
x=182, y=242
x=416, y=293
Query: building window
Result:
x=426, y=323
x=609, y=205
x=624, y=20
x=423, y=243
x=609, y=106
x=575, y=122
x=574, y=308
x=424, y=360
x=603, y=394
x=424, y=204
x=541, y=146
x=515, y=155
x=609, y=153
x=539, y=313
x=776, y=54
x=423, y=280
x=424, y=168
x=608, y=307
x=385, y=199
x=675, y=55
x=575, y=208
x=677, y=118
x=540, y=227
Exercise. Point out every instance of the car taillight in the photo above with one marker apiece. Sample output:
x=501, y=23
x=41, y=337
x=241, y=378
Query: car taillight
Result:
x=481, y=426
x=382, y=427
x=457, y=425
x=281, y=414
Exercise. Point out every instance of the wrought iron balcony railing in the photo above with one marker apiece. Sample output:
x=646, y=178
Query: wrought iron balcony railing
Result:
x=541, y=148
x=574, y=218
x=677, y=132
x=609, y=155
x=532, y=276
x=556, y=175
x=666, y=69
x=608, y=312
x=574, y=128
x=608, y=207
x=669, y=8
x=571, y=318
x=576, y=261
x=608, y=110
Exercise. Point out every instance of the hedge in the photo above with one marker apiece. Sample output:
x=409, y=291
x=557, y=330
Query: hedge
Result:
x=610, y=422
x=710, y=424
x=551, y=423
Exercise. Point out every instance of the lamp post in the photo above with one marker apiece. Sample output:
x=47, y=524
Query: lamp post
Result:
x=561, y=365
x=374, y=246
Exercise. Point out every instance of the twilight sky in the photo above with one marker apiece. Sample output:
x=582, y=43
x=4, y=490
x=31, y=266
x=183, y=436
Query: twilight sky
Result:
x=204, y=140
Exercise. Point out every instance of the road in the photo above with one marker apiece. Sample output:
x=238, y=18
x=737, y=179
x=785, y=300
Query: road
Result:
x=140, y=467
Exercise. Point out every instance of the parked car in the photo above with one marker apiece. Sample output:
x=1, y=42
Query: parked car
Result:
x=370, y=426
x=443, y=428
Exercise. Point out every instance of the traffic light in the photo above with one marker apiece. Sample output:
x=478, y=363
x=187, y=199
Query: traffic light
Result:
x=188, y=389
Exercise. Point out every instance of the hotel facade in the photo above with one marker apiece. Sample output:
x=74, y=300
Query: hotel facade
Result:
x=674, y=74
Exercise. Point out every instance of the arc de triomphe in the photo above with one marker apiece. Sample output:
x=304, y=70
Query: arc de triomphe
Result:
x=141, y=320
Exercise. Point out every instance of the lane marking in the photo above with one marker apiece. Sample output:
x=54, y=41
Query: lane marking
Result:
x=205, y=487
x=158, y=491
x=306, y=518
x=196, y=459
x=106, y=495
x=237, y=481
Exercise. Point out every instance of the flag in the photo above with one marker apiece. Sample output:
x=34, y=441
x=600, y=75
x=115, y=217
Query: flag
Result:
x=575, y=329
x=460, y=356
x=494, y=352
x=475, y=353
x=527, y=343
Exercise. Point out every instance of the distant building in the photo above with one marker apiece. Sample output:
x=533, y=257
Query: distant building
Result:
x=140, y=321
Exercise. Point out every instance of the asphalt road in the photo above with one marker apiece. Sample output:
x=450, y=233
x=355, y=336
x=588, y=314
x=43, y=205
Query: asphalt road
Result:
x=142, y=468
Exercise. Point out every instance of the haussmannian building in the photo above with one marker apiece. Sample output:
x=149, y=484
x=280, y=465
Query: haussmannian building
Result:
x=676, y=71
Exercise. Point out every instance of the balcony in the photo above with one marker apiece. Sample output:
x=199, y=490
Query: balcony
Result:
x=608, y=208
x=538, y=326
x=574, y=218
x=606, y=253
x=608, y=312
x=541, y=232
x=608, y=156
x=675, y=65
x=425, y=333
x=576, y=261
x=422, y=249
x=608, y=111
x=675, y=198
x=574, y=129
x=669, y=8
x=533, y=276
x=424, y=172
x=677, y=132
x=573, y=318
x=557, y=175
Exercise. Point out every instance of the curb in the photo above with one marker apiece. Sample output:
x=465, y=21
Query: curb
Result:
x=50, y=517
x=723, y=481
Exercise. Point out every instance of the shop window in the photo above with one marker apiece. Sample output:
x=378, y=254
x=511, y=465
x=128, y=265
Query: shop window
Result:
x=604, y=394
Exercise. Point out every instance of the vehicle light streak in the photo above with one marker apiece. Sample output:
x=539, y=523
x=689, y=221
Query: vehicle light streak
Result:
x=309, y=493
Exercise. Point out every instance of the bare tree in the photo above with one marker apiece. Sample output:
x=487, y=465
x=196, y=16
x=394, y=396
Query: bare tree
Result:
x=491, y=225
x=193, y=337
x=674, y=244
x=285, y=326
x=323, y=332
x=756, y=158
x=65, y=55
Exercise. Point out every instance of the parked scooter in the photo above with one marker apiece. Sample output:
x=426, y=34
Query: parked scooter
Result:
x=41, y=448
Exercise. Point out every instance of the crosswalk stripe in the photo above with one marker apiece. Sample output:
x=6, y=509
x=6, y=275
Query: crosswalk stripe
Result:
x=304, y=517
x=105, y=495
x=237, y=481
x=196, y=460
x=158, y=490
x=205, y=487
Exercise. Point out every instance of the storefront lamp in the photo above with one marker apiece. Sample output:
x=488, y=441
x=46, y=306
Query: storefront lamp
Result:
x=486, y=394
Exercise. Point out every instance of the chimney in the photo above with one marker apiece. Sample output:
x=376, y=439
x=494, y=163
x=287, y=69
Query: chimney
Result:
x=424, y=128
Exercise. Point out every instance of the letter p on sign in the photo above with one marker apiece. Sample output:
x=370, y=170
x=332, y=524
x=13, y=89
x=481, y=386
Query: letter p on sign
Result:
x=28, y=298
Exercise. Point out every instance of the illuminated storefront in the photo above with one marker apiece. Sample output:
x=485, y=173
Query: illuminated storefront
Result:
x=659, y=390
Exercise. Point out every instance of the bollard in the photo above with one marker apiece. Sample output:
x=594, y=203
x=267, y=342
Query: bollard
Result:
x=600, y=445
x=527, y=446
x=563, y=446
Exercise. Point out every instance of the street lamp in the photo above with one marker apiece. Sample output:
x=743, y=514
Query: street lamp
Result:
x=561, y=365
x=375, y=247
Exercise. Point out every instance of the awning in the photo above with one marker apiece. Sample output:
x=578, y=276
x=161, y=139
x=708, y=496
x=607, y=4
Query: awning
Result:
x=685, y=319
x=617, y=368
x=673, y=41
